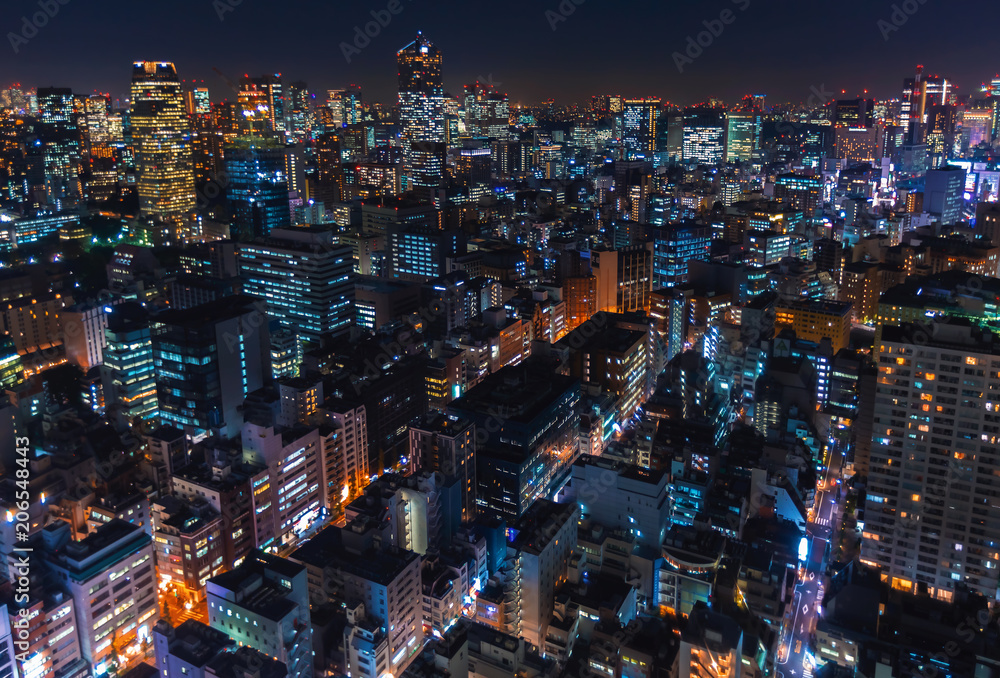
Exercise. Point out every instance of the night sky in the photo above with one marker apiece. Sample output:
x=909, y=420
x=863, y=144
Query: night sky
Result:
x=780, y=48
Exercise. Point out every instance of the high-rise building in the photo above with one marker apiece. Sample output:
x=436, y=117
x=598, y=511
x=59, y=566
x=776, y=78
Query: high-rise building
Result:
x=420, y=252
x=639, y=119
x=264, y=603
x=624, y=278
x=308, y=281
x=258, y=187
x=421, y=112
x=854, y=112
x=929, y=519
x=944, y=194
x=380, y=588
x=298, y=111
x=288, y=489
x=59, y=137
x=674, y=246
x=487, y=111
x=208, y=359
x=128, y=372
x=345, y=106
x=742, y=135
x=161, y=137
x=263, y=102
x=704, y=136
x=800, y=191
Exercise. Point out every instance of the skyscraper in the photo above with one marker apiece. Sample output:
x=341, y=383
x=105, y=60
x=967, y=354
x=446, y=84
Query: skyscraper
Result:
x=487, y=111
x=208, y=358
x=929, y=517
x=161, y=136
x=639, y=118
x=742, y=135
x=704, y=136
x=421, y=111
x=258, y=187
x=60, y=144
x=307, y=280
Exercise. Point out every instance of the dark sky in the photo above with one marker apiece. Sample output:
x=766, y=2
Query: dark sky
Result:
x=778, y=47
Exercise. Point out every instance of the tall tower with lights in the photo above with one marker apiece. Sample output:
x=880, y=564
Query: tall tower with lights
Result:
x=421, y=112
x=161, y=135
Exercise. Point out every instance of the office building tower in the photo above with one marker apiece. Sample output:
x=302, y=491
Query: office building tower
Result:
x=528, y=448
x=639, y=119
x=258, y=187
x=264, y=603
x=929, y=517
x=420, y=252
x=613, y=358
x=298, y=111
x=944, y=194
x=195, y=650
x=262, y=101
x=854, y=112
x=580, y=294
x=59, y=139
x=976, y=127
x=704, y=131
x=345, y=106
x=112, y=580
x=800, y=191
x=128, y=372
x=161, y=137
x=307, y=280
x=198, y=101
x=421, y=112
x=190, y=547
x=207, y=360
x=624, y=277
x=674, y=247
x=83, y=328
x=742, y=135
x=487, y=111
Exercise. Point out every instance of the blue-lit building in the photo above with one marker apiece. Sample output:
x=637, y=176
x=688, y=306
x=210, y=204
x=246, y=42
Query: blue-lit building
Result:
x=18, y=232
x=307, y=280
x=128, y=374
x=207, y=359
x=258, y=187
x=419, y=252
x=674, y=245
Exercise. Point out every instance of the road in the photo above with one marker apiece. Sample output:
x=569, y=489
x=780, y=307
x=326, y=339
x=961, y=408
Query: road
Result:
x=828, y=506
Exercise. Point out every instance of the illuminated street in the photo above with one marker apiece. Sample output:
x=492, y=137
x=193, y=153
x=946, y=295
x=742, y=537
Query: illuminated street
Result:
x=795, y=659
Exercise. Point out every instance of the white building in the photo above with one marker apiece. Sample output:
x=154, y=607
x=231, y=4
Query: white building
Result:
x=111, y=577
x=264, y=603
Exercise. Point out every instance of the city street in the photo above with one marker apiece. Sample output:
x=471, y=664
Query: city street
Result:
x=794, y=656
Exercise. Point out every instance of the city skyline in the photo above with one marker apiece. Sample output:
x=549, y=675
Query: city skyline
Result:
x=535, y=52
